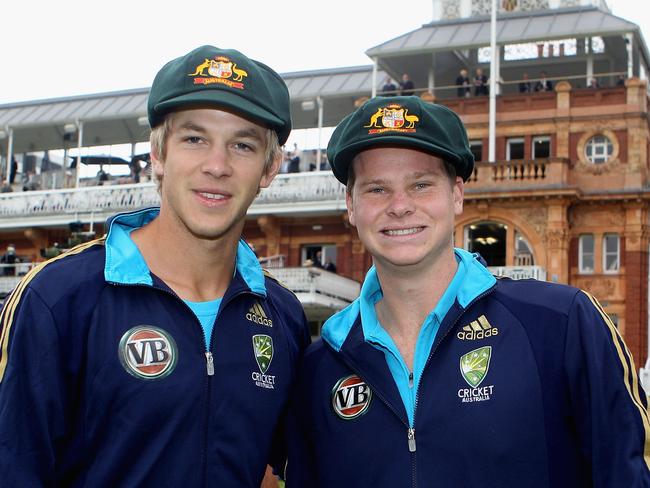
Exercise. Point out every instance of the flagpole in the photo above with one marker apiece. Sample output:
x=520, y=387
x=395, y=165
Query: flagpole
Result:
x=493, y=83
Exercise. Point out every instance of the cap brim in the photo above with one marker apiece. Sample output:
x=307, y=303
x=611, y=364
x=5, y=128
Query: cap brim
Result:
x=344, y=158
x=222, y=99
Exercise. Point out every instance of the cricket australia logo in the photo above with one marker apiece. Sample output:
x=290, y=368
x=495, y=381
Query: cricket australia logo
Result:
x=394, y=118
x=474, y=367
x=351, y=397
x=148, y=352
x=263, y=350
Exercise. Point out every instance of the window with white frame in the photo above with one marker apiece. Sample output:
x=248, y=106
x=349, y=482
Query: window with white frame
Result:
x=599, y=149
x=586, y=253
x=541, y=147
x=515, y=148
x=611, y=253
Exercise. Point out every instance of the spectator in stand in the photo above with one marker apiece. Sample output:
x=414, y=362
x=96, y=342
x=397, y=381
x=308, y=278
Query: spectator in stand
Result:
x=13, y=170
x=407, y=87
x=389, y=89
x=294, y=161
x=543, y=85
x=330, y=266
x=524, y=84
x=593, y=83
x=9, y=260
x=463, y=84
x=135, y=169
x=620, y=81
x=102, y=176
x=480, y=83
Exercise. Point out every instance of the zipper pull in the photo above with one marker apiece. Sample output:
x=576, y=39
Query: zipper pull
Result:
x=411, y=435
x=210, y=363
x=411, y=379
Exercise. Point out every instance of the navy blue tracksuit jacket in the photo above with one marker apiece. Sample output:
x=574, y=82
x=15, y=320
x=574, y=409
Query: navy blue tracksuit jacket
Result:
x=527, y=384
x=106, y=379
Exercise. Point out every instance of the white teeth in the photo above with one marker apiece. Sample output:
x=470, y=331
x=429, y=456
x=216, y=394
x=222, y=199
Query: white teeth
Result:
x=403, y=232
x=212, y=196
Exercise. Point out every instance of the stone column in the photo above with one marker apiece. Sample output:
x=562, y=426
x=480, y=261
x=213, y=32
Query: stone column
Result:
x=557, y=241
x=635, y=259
x=272, y=231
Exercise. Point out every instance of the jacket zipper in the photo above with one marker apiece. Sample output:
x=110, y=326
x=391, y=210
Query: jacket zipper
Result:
x=411, y=433
x=209, y=360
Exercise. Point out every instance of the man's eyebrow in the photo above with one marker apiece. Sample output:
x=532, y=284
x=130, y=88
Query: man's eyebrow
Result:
x=374, y=181
x=250, y=132
x=191, y=126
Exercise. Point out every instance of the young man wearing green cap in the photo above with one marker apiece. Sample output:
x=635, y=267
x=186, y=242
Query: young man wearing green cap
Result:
x=161, y=354
x=439, y=374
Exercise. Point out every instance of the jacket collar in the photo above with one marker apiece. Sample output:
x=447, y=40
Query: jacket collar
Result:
x=125, y=265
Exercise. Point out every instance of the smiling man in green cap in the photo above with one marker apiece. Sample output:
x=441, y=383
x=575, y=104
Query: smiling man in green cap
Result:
x=439, y=374
x=161, y=354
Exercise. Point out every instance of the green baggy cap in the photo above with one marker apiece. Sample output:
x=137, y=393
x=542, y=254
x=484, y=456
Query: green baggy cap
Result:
x=400, y=121
x=223, y=78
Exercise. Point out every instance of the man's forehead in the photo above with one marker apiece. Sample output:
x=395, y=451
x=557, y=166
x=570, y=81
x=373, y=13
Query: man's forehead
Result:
x=200, y=116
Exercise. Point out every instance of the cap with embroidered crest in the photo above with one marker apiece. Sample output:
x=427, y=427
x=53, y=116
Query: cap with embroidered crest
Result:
x=403, y=122
x=221, y=78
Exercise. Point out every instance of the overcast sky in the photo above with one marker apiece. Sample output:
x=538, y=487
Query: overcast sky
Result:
x=72, y=47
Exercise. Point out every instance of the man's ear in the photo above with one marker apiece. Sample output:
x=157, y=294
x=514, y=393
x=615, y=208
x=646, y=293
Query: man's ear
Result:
x=350, y=206
x=157, y=165
x=271, y=171
x=458, y=194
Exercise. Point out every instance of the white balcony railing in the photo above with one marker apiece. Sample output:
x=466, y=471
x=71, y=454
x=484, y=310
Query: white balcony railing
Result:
x=315, y=286
x=288, y=194
x=519, y=272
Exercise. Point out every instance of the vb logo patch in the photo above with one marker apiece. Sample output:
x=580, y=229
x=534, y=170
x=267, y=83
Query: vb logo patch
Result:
x=474, y=367
x=392, y=117
x=263, y=350
x=351, y=397
x=148, y=352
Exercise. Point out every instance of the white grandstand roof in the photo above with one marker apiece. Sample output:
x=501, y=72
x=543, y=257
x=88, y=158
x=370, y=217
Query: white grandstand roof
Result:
x=514, y=27
x=112, y=118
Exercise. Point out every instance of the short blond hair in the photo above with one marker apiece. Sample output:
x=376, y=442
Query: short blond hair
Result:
x=161, y=132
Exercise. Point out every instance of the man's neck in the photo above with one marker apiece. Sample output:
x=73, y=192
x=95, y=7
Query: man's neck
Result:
x=196, y=269
x=408, y=298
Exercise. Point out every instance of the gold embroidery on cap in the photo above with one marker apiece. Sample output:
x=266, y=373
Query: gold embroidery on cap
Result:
x=393, y=117
x=219, y=70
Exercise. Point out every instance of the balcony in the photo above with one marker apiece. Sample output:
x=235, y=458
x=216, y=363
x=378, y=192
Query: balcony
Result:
x=519, y=174
x=519, y=272
x=321, y=292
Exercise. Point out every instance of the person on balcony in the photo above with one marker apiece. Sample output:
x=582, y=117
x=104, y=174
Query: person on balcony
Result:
x=463, y=85
x=543, y=85
x=9, y=260
x=524, y=84
x=162, y=354
x=389, y=89
x=406, y=85
x=480, y=83
x=439, y=374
